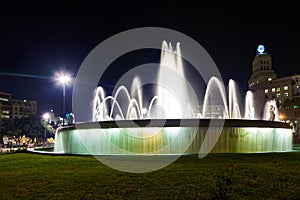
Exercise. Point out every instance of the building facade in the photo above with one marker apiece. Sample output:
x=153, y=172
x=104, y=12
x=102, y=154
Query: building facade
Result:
x=12, y=108
x=5, y=106
x=266, y=86
x=23, y=108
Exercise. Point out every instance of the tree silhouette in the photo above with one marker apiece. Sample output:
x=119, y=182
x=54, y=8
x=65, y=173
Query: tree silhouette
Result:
x=29, y=126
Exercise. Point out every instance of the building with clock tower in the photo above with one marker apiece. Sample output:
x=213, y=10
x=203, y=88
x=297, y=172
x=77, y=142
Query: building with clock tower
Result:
x=267, y=86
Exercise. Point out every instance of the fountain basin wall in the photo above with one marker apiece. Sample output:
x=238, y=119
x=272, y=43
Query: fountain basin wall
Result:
x=172, y=136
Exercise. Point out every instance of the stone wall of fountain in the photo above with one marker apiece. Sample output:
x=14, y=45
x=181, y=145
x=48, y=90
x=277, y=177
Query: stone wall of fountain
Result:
x=237, y=136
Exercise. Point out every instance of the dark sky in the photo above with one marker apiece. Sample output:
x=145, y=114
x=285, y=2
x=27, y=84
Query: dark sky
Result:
x=40, y=39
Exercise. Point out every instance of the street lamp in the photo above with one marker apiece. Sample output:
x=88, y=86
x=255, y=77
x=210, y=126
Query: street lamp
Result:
x=63, y=79
x=46, y=117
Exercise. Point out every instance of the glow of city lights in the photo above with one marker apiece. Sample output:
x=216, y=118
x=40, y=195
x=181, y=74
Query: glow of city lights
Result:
x=281, y=117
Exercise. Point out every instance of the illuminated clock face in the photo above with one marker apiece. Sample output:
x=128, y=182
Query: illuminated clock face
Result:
x=260, y=48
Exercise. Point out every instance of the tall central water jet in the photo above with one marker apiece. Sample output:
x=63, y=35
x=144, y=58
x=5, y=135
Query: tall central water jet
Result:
x=172, y=91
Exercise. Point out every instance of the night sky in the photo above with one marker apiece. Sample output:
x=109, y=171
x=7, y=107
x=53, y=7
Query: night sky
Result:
x=38, y=40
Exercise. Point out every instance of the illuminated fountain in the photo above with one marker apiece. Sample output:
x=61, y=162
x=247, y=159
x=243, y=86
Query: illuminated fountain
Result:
x=169, y=124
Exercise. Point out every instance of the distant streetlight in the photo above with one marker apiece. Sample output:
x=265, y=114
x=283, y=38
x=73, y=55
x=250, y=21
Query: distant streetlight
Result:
x=46, y=117
x=63, y=79
x=281, y=116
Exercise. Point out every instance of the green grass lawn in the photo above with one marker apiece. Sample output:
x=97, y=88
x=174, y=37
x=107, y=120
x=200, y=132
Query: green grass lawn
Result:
x=217, y=176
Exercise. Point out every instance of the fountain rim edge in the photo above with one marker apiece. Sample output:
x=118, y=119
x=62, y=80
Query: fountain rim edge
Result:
x=151, y=123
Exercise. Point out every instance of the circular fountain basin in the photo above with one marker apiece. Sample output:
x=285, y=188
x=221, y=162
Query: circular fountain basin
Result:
x=173, y=136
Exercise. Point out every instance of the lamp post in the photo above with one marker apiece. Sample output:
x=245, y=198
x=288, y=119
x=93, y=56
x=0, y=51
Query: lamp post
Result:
x=64, y=79
x=46, y=116
x=64, y=99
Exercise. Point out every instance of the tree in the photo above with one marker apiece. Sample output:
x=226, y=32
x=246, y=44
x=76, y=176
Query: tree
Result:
x=30, y=126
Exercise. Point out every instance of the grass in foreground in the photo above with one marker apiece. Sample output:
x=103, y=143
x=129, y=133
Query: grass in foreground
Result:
x=217, y=176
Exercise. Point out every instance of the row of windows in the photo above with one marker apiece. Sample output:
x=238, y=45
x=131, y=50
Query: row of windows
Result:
x=20, y=113
x=278, y=89
x=277, y=95
x=264, y=62
x=286, y=94
x=27, y=108
x=24, y=114
x=264, y=67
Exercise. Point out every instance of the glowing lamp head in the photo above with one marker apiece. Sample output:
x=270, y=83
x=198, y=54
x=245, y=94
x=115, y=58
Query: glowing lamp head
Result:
x=46, y=116
x=260, y=49
x=64, y=79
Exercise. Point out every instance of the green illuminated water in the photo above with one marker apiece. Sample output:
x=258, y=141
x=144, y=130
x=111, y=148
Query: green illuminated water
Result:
x=171, y=140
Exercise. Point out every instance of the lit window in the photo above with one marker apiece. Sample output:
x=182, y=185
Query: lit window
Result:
x=278, y=94
x=273, y=89
x=266, y=91
x=3, y=99
x=269, y=79
x=286, y=87
x=286, y=94
x=278, y=89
